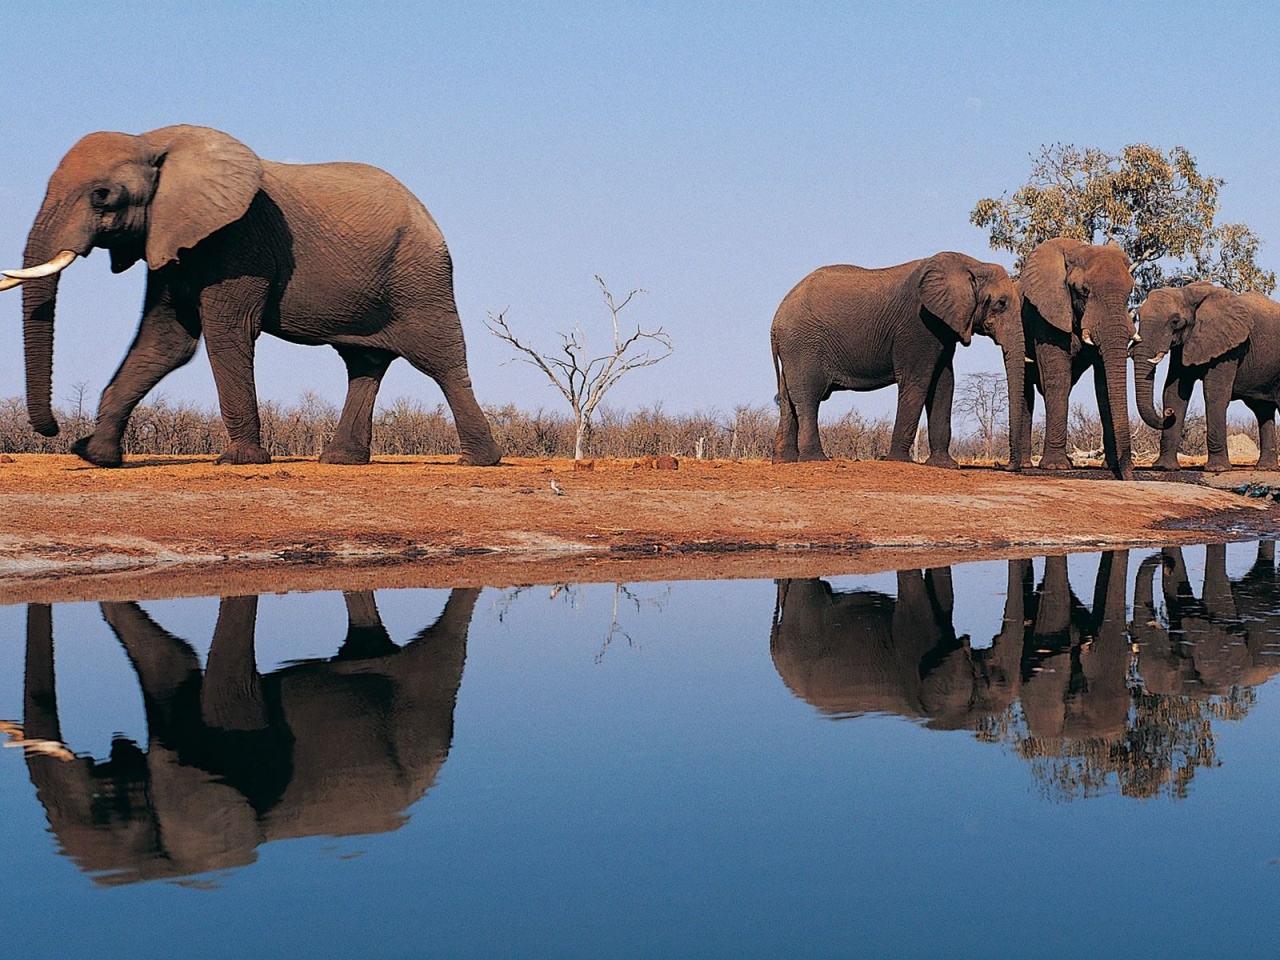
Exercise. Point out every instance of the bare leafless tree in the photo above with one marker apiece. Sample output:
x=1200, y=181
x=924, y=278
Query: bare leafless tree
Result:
x=584, y=380
x=984, y=398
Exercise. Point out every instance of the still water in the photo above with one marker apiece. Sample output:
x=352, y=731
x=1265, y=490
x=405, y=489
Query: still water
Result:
x=1065, y=756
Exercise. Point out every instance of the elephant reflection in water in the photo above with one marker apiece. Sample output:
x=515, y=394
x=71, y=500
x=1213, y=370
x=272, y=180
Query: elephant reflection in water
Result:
x=1098, y=695
x=1217, y=645
x=324, y=747
x=849, y=653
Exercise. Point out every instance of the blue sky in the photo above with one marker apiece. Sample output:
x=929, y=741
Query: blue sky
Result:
x=710, y=153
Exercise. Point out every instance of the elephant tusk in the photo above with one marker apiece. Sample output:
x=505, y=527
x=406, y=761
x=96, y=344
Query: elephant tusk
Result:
x=1087, y=337
x=7, y=283
x=56, y=265
x=1028, y=360
x=1137, y=337
x=1156, y=359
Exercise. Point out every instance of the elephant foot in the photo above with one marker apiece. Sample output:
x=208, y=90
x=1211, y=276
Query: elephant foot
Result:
x=244, y=453
x=486, y=455
x=100, y=453
x=1266, y=463
x=813, y=457
x=1167, y=463
x=900, y=457
x=789, y=457
x=1125, y=472
x=1217, y=465
x=943, y=461
x=344, y=455
x=1056, y=461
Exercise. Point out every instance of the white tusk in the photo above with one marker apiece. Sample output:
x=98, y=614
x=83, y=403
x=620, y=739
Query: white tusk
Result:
x=1156, y=359
x=7, y=283
x=56, y=265
x=1087, y=337
x=1028, y=360
x=1137, y=337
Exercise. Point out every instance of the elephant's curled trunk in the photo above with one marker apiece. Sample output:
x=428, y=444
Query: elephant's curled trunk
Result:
x=1144, y=375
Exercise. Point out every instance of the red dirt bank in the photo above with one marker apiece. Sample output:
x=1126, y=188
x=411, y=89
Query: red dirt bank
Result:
x=172, y=526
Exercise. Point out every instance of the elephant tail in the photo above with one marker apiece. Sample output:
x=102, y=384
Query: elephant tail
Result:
x=781, y=396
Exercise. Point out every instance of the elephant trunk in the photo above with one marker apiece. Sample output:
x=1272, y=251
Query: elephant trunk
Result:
x=1015, y=366
x=50, y=236
x=38, y=299
x=1144, y=376
x=1115, y=368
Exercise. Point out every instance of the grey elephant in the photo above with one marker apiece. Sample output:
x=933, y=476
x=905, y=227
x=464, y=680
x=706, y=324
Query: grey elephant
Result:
x=233, y=760
x=1075, y=310
x=852, y=328
x=1228, y=341
x=336, y=253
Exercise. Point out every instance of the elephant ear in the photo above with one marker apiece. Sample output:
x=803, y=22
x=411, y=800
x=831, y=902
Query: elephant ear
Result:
x=947, y=291
x=1044, y=281
x=207, y=180
x=1222, y=323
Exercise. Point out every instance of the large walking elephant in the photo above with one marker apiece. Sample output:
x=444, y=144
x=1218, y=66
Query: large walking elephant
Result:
x=336, y=253
x=851, y=328
x=1075, y=309
x=1230, y=342
x=234, y=759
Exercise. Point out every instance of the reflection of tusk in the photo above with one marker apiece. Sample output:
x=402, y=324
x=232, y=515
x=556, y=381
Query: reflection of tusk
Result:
x=18, y=738
x=56, y=265
x=7, y=283
x=1086, y=337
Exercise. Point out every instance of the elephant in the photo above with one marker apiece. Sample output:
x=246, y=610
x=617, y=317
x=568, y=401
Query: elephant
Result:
x=1230, y=342
x=852, y=328
x=324, y=747
x=1075, y=313
x=235, y=246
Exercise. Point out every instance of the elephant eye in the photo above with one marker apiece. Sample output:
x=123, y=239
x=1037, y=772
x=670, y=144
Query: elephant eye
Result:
x=1001, y=305
x=98, y=198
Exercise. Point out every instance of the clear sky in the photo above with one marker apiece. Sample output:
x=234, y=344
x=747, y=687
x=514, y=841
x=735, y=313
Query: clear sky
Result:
x=710, y=153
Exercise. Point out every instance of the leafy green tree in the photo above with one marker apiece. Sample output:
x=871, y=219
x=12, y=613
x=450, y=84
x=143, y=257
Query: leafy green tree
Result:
x=1156, y=205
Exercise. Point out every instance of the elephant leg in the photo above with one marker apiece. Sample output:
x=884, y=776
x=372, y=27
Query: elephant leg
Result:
x=938, y=404
x=1176, y=398
x=367, y=637
x=805, y=391
x=434, y=345
x=911, y=400
x=231, y=314
x=1054, y=366
x=1217, y=385
x=167, y=667
x=351, y=440
x=786, y=442
x=1265, y=411
x=166, y=339
x=231, y=695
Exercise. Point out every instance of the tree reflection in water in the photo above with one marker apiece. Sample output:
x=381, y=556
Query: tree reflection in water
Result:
x=1092, y=701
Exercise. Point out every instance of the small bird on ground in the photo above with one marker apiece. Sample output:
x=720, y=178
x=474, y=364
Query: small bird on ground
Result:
x=555, y=488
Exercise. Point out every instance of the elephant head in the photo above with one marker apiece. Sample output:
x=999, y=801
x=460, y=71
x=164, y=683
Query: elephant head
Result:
x=151, y=195
x=1082, y=291
x=1203, y=320
x=975, y=297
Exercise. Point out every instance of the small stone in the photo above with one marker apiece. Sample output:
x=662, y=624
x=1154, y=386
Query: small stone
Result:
x=667, y=463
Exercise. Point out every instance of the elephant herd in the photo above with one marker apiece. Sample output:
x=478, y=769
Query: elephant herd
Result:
x=345, y=745
x=342, y=254
x=849, y=328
